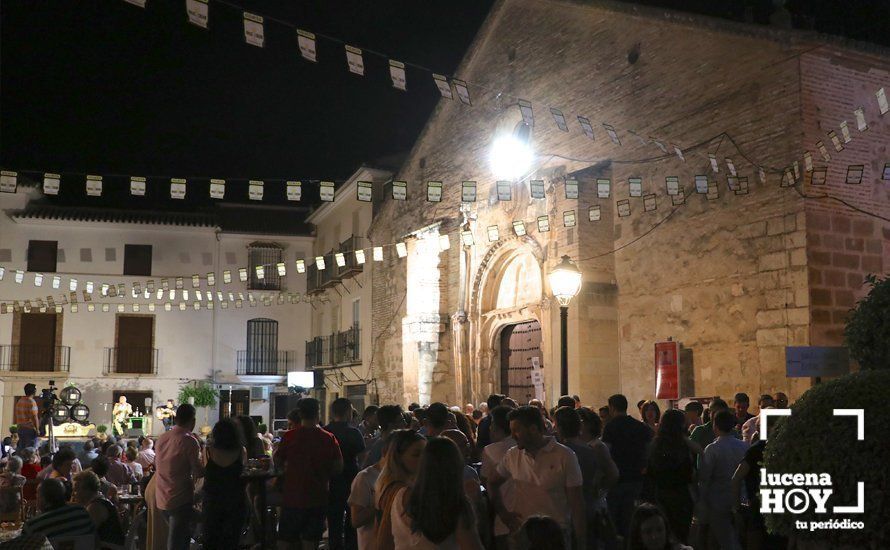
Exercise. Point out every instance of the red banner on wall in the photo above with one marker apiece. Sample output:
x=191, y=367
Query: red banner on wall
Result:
x=667, y=370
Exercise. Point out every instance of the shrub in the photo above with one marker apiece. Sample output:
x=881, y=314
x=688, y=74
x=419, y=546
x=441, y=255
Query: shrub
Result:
x=813, y=440
x=867, y=333
x=101, y=428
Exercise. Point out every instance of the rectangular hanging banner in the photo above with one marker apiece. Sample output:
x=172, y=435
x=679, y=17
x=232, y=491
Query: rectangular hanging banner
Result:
x=463, y=93
x=569, y=219
x=354, y=60
x=8, y=181
x=434, y=191
x=306, y=41
x=595, y=213
x=613, y=135
x=635, y=187
x=137, y=186
x=94, y=186
x=197, y=12
x=537, y=189
x=649, y=203
x=571, y=189
x=364, y=191
x=253, y=30
x=585, y=126
x=400, y=190
x=623, y=208
x=177, y=188
x=701, y=184
x=543, y=224
x=603, y=188
x=468, y=191
x=667, y=370
x=51, y=183
x=443, y=85
x=397, y=73
x=326, y=191
x=528, y=115
x=294, y=190
x=560, y=119
x=672, y=183
x=505, y=190
x=255, y=190
x=217, y=189
x=678, y=198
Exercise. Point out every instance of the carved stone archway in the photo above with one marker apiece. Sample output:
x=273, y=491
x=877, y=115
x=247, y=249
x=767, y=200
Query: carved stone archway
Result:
x=508, y=289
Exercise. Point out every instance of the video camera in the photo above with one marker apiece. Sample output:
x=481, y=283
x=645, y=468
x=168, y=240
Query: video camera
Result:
x=48, y=395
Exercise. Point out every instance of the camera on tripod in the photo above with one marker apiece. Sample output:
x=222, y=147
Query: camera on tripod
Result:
x=48, y=395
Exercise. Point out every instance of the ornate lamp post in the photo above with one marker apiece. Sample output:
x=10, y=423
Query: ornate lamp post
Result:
x=565, y=282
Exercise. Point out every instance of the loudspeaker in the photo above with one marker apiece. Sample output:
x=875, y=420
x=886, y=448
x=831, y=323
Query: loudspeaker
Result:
x=134, y=432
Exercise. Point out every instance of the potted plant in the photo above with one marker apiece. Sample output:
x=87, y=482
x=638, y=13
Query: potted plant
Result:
x=200, y=394
x=101, y=432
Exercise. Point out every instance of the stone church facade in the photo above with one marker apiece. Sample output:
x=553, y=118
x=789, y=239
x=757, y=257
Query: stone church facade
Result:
x=735, y=278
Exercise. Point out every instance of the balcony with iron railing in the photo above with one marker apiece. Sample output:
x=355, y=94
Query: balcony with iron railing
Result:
x=131, y=360
x=351, y=266
x=35, y=358
x=312, y=279
x=336, y=350
x=265, y=362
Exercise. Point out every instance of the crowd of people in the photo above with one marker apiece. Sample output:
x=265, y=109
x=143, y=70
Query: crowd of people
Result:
x=499, y=475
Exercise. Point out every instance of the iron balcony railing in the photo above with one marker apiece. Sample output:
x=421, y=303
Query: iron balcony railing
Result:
x=351, y=266
x=131, y=360
x=319, y=352
x=328, y=276
x=271, y=362
x=347, y=348
x=342, y=348
x=312, y=278
x=35, y=358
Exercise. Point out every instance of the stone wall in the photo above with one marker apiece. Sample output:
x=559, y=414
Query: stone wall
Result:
x=726, y=277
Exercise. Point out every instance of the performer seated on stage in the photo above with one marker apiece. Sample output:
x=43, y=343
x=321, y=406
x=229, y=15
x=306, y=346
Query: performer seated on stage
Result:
x=121, y=411
x=167, y=414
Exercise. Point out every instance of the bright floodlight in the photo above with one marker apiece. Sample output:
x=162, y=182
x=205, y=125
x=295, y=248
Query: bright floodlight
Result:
x=565, y=281
x=510, y=157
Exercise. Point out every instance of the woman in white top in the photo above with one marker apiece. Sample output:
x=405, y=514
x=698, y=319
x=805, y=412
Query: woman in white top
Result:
x=435, y=514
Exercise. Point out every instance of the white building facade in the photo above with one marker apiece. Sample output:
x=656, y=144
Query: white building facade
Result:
x=243, y=337
x=340, y=350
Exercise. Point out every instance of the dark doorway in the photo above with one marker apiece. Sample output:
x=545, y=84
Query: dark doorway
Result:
x=37, y=342
x=520, y=344
x=240, y=400
x=134, y=352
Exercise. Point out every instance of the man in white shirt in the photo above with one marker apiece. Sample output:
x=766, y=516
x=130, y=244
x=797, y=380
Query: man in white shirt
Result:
x=492, y=455
x=147, y=454
x=546, y=478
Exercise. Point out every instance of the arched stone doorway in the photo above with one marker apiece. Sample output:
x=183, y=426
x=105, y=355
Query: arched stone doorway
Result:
x=508, y=291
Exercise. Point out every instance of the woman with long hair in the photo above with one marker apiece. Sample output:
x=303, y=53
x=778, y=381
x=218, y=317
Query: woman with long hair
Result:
x=435, y=513
x=649, y=530
x=400, y=466
x=252, y=440
x=670, y=470
x=225, y=502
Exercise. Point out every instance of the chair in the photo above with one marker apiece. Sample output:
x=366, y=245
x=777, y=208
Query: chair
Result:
x=80, y=542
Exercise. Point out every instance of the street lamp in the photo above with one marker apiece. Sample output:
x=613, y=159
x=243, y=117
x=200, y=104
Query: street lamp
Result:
x=511, y=155
x=565, y=282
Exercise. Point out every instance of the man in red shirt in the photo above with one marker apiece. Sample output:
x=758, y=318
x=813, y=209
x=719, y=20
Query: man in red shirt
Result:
x=309, y=457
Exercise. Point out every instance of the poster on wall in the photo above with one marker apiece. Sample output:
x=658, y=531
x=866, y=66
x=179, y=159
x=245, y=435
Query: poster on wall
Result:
x=667, y=370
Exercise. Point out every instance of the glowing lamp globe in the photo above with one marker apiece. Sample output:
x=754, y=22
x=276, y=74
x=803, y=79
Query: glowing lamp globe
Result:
x=565, y=281
x=510, y=157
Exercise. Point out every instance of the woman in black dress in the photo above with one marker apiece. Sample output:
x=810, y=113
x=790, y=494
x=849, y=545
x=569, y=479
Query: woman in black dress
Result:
x=225, y=501
x=669, y=472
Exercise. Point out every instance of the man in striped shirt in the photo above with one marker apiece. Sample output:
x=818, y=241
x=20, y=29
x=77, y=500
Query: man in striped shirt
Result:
x=58, y=518
x=26, y=418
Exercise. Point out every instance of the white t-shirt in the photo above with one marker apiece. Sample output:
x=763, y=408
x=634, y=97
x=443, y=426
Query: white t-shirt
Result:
x=540, y=481
x=362, y=494
x=492, y=455
x=405, y=539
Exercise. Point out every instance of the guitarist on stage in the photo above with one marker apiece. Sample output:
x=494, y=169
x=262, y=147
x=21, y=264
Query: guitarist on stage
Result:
x=166, y=414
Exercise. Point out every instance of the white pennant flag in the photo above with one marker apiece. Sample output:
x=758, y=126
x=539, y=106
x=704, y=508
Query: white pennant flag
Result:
x=197, y=12
x=861, y=125
x=468, y=191
x=51, y=183
x=528, y=115
x=8, y=181
x=397, y=73
x=603, y=188
x=613, y=135
x=882, y=101
x=177, y=188
x=400, y=190
x=94, y=186
x=585, y=126
x=253, y=30
x=140, y=3
x=354, y=60
x=364, y=191
x=306, y=41
x=571, y=189
x=463, y=93
x=560, y=119
x=326, y=191
x=443, y=85
x=294, y=190
x=217, y=189
x=137, y=186
x=635, y=187
x=434, y=191
x=255, y=190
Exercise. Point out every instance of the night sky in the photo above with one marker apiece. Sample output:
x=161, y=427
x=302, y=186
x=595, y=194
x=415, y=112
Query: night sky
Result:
x=101, y=86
